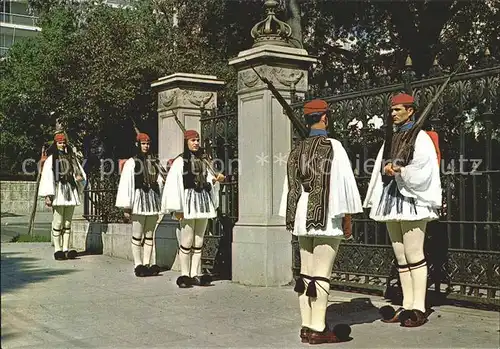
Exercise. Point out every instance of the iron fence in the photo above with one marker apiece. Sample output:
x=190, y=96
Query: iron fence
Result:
x=219, y=135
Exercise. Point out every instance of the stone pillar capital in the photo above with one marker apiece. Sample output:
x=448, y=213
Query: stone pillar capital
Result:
x=286, y=67
x=187, y=91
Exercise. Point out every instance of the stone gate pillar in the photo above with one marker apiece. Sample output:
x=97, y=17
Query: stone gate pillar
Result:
x=183, y=95
x=262, y=249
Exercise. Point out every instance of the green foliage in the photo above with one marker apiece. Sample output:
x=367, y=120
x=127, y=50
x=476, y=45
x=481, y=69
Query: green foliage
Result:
x=381, y=34
x=29, y=238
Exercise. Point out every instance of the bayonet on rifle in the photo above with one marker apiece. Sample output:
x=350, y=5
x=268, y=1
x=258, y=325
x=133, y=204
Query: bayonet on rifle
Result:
x=179, y=123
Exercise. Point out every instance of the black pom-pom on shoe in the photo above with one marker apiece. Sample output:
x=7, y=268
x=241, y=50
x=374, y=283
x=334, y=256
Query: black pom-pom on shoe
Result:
x=71, y=254
x=154, y=270
x=184, y=281
x=387, y=312
x=205, y=280
x=59, y=256
x=342, y=331
x=405, y=315
x=141, y=271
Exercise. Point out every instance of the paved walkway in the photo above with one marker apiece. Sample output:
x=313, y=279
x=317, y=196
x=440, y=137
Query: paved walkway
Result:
x=96, y=302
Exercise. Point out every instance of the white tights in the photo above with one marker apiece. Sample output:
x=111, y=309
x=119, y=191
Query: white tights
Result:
x=408, y=243
x=317, y=256
x=142, y=234
x=61, y=226
x=190, y=238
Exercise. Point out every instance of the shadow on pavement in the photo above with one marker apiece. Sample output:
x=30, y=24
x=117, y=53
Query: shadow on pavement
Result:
x=356, y=311
x=18, y=271
x=8, y=336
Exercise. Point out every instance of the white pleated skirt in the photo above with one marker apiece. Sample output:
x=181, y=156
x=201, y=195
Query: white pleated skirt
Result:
x=198, y=204
x=146, y=203
x=333, y=225
x=394, y=207
x=66, y=195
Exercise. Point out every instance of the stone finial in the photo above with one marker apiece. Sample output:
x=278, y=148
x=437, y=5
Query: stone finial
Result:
x=271, y=30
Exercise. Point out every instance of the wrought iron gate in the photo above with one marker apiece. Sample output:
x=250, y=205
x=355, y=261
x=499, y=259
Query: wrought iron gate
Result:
x=462, y=248
x=219, y=135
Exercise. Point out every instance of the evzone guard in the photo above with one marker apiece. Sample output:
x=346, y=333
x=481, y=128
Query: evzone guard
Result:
x=191, y=194
x=61, y=183
x=139, y=195
x=405, y=192
x=319, y=192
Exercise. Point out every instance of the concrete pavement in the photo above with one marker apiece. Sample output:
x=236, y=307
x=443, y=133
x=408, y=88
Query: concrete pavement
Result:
x=96, y=302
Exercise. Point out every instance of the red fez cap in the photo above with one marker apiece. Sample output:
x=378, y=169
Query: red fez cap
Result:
x=59, y=137
x=142, y=137
x=402, y=98
x=314, y=106
x=190, y=134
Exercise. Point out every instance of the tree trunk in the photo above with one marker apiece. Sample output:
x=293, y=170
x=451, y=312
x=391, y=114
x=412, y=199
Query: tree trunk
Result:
x=293, y=20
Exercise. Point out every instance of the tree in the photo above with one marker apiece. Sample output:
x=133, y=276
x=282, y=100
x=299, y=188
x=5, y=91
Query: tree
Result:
x=28, y=112
x=293, y=16
x=356, y=38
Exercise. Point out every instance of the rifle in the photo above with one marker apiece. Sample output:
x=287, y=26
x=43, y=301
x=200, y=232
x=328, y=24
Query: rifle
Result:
x=297, y=124
x=206, y=159
x=43, y=156
x=411, y=136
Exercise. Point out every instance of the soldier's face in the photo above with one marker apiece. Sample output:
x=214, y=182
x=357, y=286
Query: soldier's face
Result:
x=61, y=145
x=401, y=114
x=193, y=144
x=144, y=147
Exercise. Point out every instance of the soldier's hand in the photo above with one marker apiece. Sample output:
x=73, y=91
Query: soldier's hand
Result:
x=48, y=201
x=220, y=178
x=396, y=168
x=79, y=178
x=126, y=216
x=179, y=215
x=388, y=170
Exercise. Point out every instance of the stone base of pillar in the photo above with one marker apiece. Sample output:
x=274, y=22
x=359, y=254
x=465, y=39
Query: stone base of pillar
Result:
x=165, y=253
x=261, y=255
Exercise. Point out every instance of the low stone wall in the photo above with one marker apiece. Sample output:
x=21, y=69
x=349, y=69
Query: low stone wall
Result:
x=17, y=197
x=114, y=240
